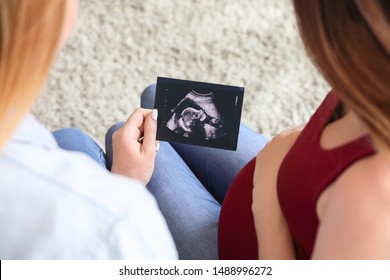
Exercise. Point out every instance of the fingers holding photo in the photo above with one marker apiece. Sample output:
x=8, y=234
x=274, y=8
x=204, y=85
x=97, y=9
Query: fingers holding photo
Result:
x=135, y=145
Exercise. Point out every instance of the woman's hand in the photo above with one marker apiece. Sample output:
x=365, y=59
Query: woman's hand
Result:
x=274, y=240
x=134, y=146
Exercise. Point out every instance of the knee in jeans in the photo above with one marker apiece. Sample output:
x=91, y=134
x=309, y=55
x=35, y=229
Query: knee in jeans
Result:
x=69, y=131
x=148, y=96
x=112, y=129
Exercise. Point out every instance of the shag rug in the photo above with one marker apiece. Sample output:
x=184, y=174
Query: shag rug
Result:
x=121, y=46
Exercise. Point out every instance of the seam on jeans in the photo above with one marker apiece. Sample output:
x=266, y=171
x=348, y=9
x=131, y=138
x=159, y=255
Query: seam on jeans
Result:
x=103, y=160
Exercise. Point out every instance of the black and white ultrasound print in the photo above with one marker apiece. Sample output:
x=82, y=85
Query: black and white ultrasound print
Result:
x=198, y=113
x=196, y=116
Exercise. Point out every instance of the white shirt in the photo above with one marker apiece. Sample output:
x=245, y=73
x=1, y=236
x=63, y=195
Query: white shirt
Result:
x=56, y=204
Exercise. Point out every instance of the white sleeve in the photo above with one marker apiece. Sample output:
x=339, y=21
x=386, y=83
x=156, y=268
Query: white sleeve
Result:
x=139, y=230
x=62, y=205
x=143, y=234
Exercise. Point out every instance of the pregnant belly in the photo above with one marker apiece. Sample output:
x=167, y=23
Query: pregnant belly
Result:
x=236, y=231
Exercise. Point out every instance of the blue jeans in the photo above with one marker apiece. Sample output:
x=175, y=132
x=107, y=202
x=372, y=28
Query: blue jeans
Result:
x=189, y=182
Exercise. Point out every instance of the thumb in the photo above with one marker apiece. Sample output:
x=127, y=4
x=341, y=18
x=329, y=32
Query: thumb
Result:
x=150, y=132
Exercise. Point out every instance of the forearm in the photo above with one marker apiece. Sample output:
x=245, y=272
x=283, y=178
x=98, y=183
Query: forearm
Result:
x=273, y=236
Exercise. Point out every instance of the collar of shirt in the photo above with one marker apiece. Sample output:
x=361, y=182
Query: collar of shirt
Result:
x=31, y=132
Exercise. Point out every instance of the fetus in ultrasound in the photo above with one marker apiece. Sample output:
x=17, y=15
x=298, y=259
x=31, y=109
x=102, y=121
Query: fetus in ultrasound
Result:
x=196, y=116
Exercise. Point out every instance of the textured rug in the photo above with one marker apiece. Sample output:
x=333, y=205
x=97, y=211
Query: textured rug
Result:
x=121, y=46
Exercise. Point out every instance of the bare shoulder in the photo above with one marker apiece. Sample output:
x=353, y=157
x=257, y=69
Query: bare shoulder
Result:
x=366, y=181
x=355, y=219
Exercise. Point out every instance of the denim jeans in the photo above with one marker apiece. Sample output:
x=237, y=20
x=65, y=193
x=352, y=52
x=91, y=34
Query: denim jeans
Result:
x=189, y=182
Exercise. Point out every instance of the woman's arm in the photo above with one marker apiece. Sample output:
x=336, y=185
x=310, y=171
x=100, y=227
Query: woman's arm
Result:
x=355, y=217
x=273, y=235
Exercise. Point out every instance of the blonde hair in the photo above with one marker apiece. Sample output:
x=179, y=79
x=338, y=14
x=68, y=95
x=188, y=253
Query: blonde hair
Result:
x=29, y=35
x=349, y=41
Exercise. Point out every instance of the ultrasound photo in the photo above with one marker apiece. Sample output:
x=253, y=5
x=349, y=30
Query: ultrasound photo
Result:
x=198, y=113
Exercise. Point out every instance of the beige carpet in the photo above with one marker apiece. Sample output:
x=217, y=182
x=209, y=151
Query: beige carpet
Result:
x=121, y=46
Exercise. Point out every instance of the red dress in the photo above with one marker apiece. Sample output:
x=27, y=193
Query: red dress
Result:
x=306, y=171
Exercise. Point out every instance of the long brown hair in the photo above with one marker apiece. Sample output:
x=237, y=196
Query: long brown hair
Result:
x=29, y=34
x=349, y=41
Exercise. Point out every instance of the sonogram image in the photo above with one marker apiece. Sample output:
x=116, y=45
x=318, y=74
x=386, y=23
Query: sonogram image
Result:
x=196, y=116
x=198, y=113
